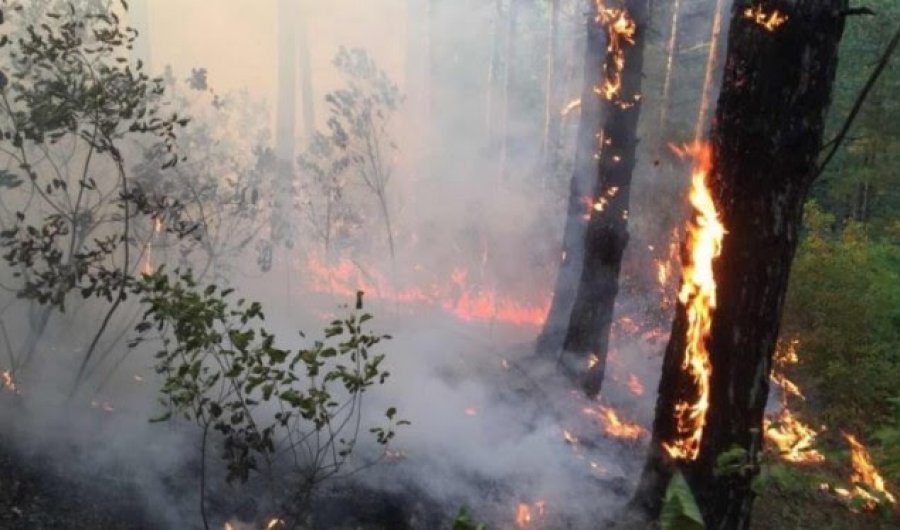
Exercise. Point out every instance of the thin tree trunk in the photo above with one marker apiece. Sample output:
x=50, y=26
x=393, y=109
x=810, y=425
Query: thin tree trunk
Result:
x=671, y=46
x=768, y=132
x=711, y=62
x=510, y=79
x=607, y=231
x=550, y=144
x=490, y=118
x=572, y=256
x=287, y=90
x=306, y=78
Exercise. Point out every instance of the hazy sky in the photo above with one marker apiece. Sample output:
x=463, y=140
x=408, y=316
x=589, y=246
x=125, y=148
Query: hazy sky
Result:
x=236, y=40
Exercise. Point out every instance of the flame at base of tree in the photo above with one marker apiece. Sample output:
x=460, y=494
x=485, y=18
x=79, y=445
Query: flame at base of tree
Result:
x=698, y=295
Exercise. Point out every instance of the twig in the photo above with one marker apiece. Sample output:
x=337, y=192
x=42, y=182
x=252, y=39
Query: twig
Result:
x=876, y=73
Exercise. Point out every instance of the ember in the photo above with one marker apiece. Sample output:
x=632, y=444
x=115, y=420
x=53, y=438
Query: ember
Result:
x=768, y=21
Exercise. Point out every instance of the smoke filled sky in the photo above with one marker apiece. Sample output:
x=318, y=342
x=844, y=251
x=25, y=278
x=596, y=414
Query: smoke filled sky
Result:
x=236, y=40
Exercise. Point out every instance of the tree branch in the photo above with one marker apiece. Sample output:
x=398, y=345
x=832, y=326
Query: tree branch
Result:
x=835, y=143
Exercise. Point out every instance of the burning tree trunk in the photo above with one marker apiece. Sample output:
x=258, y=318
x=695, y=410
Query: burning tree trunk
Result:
x=553, y=332
x=607, y=230
x=768, y=131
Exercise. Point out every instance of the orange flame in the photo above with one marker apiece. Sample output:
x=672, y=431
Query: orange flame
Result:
x=865, y=474
x=792, y=438
x=453, y=294
x=698, y=294
x=621, y=29
x=524, y=514
x=614, y=425
x=8, y=382
x=768, y=21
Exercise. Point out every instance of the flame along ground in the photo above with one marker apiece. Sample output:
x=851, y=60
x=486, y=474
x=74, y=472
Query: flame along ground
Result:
x=869, y=490
x=793, y=439
x=452, y=294
x=698, y=294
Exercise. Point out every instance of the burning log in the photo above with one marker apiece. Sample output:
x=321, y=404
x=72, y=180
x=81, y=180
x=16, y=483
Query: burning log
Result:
x=767, y=135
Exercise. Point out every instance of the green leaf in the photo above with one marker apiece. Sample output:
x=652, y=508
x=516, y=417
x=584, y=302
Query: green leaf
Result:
x=680, y=510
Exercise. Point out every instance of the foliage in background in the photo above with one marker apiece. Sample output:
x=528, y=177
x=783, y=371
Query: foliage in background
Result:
x=843, y=305
x=862, y=184
x=356, y=153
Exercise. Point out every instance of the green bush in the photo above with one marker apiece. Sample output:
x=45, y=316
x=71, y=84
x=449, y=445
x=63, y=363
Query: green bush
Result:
x=843, y=305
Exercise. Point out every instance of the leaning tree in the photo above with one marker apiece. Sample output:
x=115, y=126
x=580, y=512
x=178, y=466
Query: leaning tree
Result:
x=777, y=85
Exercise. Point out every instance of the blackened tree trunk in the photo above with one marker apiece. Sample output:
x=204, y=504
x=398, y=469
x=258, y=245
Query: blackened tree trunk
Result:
x=607, y=230
x=768, y=130
x=551, y=338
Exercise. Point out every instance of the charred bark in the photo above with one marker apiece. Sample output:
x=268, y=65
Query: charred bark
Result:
x=572, y=255
x=607, y=231
x=768, y=130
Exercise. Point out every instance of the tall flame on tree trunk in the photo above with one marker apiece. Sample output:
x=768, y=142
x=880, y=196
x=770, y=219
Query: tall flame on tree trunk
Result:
x=698, y=295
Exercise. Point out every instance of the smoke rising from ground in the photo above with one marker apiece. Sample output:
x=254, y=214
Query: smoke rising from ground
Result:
x=489, y=419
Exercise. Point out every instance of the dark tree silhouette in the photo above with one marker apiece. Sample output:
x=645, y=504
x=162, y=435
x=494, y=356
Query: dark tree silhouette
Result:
x=767, y=135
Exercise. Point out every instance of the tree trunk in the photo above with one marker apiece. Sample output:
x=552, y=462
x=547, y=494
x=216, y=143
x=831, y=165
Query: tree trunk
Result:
x=550, y=144
x=306, y=78
x=510, y=79
x=287, y=82
x=490, y=118
x=768, y=130
x=607, y=230
x=552, y=335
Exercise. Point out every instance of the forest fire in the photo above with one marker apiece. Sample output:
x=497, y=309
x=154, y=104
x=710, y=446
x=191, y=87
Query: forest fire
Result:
x=453, y=295
x=621, y=29
x=615, y=426
x=525, y=513
x=868, y=485
x=698, y=294
x=769, y=21
x=792, y=438
x=8, y=382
